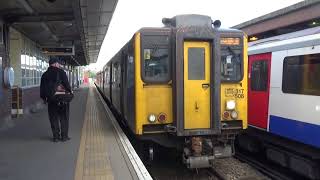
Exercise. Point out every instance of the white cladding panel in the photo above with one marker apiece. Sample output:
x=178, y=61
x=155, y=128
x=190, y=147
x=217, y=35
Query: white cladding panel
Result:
x=304, y=108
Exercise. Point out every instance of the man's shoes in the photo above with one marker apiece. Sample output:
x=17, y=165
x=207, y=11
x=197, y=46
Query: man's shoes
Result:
x=55, y=139
x=63, y=139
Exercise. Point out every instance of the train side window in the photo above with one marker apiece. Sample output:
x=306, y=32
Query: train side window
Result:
x=196, y=64
x=130, y=71
x=107, y=75
x=301, y=74
x=115, y=70
x=259, y=75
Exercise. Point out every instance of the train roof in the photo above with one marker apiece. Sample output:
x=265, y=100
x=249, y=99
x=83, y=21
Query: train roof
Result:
x=191, y=20
x=303, y=38
x=228, y=30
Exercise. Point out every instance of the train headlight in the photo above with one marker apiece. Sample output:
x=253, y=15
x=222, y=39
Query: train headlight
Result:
x=234, y=114
x=231, y=105
x=152, y=118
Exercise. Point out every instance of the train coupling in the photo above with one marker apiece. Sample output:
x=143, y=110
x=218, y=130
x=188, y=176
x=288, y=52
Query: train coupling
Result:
x=170, y=128
x=194, y=162
x=200, y=153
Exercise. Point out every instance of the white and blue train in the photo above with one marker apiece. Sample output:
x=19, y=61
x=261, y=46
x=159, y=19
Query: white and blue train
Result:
x=284, y=100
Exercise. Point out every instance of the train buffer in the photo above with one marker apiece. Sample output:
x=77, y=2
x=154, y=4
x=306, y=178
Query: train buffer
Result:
x=98, y=148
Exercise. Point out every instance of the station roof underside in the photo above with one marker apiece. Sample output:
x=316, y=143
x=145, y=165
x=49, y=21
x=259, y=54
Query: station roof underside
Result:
x=283, y=19
x=54, y=23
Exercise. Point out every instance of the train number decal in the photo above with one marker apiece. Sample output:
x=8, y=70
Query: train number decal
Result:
x=234, y=92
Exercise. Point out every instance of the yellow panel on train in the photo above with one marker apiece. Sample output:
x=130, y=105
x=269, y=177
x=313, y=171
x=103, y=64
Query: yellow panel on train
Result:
x=150, y=100
x=196, y=83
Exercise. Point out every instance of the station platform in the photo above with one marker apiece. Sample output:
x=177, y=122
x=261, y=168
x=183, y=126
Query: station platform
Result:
x=98, y=148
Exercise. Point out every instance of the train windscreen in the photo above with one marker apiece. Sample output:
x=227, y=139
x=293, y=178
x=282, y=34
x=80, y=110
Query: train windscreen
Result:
x=231, y=59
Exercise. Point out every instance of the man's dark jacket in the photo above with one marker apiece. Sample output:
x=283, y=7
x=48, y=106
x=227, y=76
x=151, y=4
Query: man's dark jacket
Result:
x=49, y=81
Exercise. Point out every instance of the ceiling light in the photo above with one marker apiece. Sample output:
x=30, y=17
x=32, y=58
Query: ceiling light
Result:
x=253, y=38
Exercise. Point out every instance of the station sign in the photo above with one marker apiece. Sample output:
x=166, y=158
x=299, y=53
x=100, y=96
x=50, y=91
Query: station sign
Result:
x=58, y=51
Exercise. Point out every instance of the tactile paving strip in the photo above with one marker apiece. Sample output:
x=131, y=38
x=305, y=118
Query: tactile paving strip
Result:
x=93, y=162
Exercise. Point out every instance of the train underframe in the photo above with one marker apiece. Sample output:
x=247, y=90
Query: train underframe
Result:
x=197, y=151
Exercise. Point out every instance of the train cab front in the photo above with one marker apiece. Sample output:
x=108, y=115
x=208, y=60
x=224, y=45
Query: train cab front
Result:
x=182, y=87
x=209, y=64
x=234, y=83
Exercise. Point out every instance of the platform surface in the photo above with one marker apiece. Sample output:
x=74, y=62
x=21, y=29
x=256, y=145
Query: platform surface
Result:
x=100, y=154
x=94, y=151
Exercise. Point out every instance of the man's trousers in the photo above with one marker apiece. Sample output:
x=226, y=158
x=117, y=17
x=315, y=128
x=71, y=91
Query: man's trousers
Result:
x=59, y=119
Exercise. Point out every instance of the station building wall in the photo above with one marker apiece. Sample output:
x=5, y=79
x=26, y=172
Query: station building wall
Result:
x=29, y=63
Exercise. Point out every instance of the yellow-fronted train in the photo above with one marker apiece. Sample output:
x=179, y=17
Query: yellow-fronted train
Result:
x=183, y=85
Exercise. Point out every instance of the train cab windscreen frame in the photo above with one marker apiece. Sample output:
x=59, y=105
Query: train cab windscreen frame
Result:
x=155, y=59
x=231, y=59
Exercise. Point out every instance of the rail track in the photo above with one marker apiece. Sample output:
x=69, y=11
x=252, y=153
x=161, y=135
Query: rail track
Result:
x=266, y=168
x=269, y=169
x=232, y=169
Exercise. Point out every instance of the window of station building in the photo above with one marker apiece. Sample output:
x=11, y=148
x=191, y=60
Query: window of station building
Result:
x=301, y=74
x=33, y=63
x=156, y=65
x=32, y=68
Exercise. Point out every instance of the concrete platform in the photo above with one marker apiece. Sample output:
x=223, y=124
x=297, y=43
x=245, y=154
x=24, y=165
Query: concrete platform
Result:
x=96, y=150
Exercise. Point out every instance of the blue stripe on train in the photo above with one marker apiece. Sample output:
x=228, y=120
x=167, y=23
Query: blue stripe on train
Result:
x=299, y=131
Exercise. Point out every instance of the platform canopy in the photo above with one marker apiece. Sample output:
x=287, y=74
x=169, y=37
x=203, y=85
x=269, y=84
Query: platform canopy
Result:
x=302, y=15
x=81, y=24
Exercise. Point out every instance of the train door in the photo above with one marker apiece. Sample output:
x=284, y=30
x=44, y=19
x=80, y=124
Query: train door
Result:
x=196, y=85
x=111, y=82
x=259, y=90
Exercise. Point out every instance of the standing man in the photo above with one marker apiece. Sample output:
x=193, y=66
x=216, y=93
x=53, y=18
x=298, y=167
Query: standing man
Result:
x=58, y=111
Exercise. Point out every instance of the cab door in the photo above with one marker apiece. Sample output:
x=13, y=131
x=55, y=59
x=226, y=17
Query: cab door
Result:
x=259, y=90
x=196, y=85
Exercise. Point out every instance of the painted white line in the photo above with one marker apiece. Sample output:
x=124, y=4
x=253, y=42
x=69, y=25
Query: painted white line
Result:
x=136, y=162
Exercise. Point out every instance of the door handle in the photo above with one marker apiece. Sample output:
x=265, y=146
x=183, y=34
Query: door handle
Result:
x=205, y=85
x=196, y=106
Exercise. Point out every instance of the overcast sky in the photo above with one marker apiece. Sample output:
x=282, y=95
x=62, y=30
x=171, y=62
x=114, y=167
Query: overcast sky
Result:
x=131, y=15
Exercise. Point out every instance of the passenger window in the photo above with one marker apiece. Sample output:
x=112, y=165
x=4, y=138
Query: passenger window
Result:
x=259, y=75
x=107, y=75
x=130, y=71
x=115, y=72
x=156, y=64
x=196, y=64
x=301, y=74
